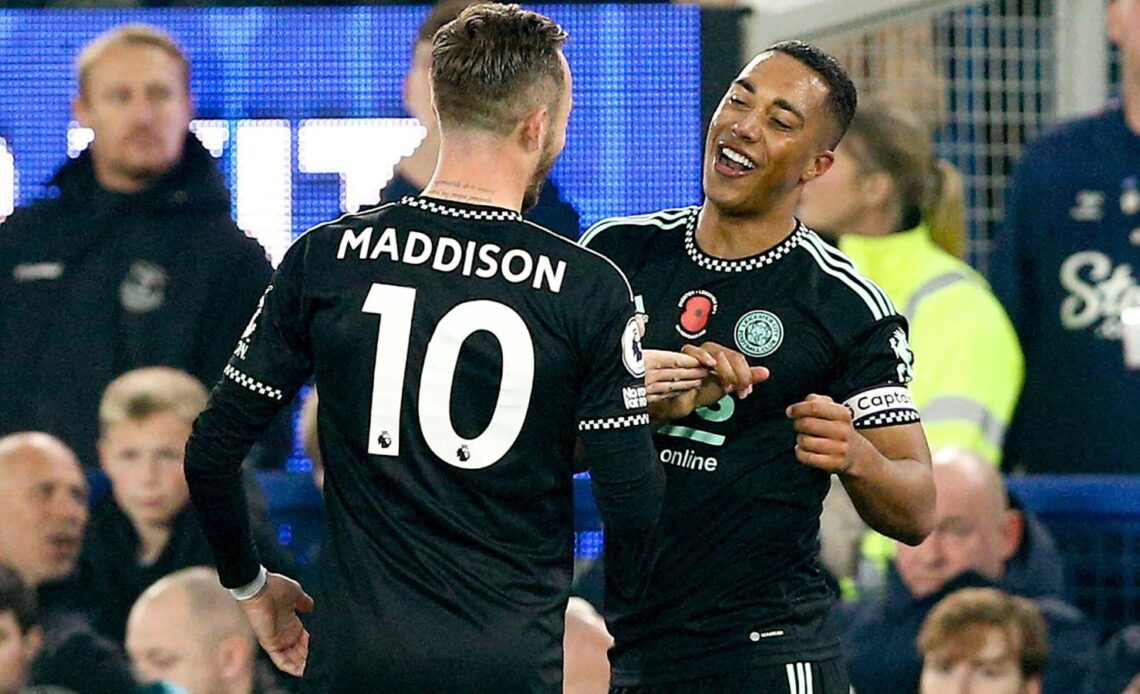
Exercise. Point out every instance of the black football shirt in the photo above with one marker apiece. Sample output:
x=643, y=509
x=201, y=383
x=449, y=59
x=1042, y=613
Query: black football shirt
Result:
x=459, y=353
x=734, y=582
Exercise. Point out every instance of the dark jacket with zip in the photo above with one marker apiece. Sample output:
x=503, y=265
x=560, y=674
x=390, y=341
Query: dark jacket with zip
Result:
x=95, y=283
x=882, y=656
x=116, y=578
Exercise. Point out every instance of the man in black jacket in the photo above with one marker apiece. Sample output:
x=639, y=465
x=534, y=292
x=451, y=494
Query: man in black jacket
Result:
x=135, y=262
x=43, y=514
x=975, y=536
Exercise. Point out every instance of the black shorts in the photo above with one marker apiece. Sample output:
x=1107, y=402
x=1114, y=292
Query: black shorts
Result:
x=822, y=677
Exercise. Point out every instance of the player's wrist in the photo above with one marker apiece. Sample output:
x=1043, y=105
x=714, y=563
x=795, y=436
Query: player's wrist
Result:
x=861, y=456
x=252, y=589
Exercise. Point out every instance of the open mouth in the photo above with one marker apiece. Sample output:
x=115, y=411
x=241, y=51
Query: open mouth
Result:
x=64, y=544
x=730, y=162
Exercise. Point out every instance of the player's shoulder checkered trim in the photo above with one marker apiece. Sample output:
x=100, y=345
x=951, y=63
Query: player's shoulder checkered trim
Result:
x=744, y=264
x=886, y=419
x=251, y=383
x=662, y=220
x=489, y=214
x=613, y=422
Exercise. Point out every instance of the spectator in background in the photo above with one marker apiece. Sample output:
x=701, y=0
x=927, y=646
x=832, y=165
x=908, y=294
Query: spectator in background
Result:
x=1117, y=666
x=43, y=513
x=897, y=212
x=1063, y=267
x=20, y=632
x=884, y=199
x=188, y=631
x=413, y=172
x=136, y=261
x=975, y=536
x=983, y=641
x=145, y=529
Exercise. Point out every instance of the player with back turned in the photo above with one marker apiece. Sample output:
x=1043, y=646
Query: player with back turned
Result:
x=461, y=354
x=735, y=599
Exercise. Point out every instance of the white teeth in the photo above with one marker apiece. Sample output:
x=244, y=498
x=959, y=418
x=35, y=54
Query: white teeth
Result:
x=737, y=157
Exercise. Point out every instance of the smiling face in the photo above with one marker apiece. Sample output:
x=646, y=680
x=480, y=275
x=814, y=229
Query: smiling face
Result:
x=770, y=135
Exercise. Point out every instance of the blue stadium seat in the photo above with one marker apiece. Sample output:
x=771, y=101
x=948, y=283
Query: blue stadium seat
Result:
x=1095, y=520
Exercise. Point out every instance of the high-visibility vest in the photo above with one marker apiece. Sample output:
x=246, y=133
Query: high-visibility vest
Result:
x=968, y=367
x=968, y=362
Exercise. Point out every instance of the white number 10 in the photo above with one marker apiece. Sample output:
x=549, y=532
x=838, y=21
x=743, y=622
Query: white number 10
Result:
x=394, y=305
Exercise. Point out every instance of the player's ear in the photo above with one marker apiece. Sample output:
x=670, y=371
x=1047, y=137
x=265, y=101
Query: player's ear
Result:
x=818, y=166
x=1012, y=532
x=534, y=127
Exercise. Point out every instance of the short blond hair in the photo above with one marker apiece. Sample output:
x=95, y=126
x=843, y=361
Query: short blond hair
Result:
x=128, y=35
x=152, y=390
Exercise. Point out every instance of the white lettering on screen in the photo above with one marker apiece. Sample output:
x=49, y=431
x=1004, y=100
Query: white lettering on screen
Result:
x=362, y=151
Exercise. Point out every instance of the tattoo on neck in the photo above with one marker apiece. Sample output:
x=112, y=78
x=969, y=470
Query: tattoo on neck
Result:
x=462, y=191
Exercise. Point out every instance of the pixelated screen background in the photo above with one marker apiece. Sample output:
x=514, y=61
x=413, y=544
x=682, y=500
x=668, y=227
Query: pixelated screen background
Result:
x=303, y=105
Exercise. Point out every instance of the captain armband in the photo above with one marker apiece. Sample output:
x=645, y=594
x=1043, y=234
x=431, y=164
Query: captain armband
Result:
x=882, y=406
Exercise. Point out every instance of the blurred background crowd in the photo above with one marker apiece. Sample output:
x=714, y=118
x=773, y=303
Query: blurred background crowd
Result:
x=156, y=161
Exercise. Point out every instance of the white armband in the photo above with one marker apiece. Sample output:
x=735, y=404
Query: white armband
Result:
x=885, y=405
x=251, y=589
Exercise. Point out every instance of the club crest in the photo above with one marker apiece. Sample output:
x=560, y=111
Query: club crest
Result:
x=759, y=333
x=144, y=288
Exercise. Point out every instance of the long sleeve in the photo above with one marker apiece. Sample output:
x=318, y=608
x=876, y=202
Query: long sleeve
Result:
x=271, y=362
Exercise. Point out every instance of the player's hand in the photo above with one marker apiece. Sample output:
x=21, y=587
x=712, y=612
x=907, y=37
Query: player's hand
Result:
x=733, y=373
x=273, y=615
x=826, y=438
x=669, y=374
x=725, y=371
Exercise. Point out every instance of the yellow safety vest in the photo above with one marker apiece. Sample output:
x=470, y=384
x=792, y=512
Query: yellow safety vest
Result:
x=968, y=367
